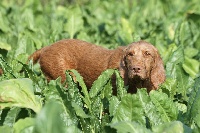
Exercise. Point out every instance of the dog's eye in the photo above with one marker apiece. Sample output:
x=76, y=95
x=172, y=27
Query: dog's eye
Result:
x=147, y=53
x=130, y=54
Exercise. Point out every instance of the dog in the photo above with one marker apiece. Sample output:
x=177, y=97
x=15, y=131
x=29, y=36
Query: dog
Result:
x=139, y=63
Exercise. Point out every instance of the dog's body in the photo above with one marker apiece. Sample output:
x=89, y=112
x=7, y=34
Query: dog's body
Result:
x=91, y=60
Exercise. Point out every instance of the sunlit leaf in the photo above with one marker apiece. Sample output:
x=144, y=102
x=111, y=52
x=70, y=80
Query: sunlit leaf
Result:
x=175, y=126
x=19, y=93
x=49, y=119
x=130, y=127
x=129, y=109
x=191, y=66
x=165, y=106
x=24, y=124
x=5, y=46
x=194, y=103
x=74, y=22
x=153, y=116
x=100, y=82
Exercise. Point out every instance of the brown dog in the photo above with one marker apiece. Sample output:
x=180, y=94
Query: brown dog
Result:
x=139, y=63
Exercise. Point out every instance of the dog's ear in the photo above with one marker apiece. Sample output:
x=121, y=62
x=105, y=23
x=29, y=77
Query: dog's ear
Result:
x=157, y=72
x=123, y=68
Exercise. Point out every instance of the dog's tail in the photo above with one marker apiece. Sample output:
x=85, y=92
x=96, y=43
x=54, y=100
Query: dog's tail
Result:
x=35, y=56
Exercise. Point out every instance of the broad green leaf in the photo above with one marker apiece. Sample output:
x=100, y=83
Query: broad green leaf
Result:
x=126, y=31
x=19, y=93
x=24, y=124
x=191, y=52
x=175, y=58
x=129, y=109
x=194, y=103
x=55, y=91
x=3, y=25
x=191, y=66
x=6, y=129
x=28, y=17
x=164, y=106
x=181, y=81
x=167, y=55
x=49, y=119
x=21, y=45
x=74, y=22
x=169, y=87
x=5, y=46
x=172, y=127
x=130, y=127
x=153, y=116
x=99, y=84
x=185, y=33
x=184, y=82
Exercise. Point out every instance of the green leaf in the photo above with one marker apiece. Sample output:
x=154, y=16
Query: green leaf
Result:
x=11, y=116
x=74, y=23
x=49, y=119
x=191, y=52
x=165, y=106
x=3, y=26
x=5, y=46
x=172, y=127
x=194, y=103
x=167, y=55
x=99, y=84
x=191, y=66
x=184, y=82
x=24, y=124
x=84, y=89
x=153, y=116
x=129, y=127
x=175, y=58
x=19, y=93
x=113, y=105
x=5, y=129
x=129, y=109
x=79, y=111
x=55, y=91
x=126, y=31
x=28, y=18
x=121, y=91
x=197, y=119
x=169, y=87
x=21, y=45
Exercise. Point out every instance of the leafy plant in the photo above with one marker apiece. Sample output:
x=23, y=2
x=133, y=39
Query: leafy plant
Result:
x=29, y=104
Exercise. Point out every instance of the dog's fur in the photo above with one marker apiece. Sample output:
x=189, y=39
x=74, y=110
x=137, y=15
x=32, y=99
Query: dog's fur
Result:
x=139, y=63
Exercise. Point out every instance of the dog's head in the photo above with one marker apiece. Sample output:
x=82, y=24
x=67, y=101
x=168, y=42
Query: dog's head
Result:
x=141, y=61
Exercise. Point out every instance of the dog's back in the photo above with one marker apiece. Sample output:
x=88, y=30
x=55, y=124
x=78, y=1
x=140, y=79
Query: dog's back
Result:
x=88, y=59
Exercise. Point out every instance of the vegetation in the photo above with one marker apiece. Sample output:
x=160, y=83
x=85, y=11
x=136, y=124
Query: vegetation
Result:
x=29, y=104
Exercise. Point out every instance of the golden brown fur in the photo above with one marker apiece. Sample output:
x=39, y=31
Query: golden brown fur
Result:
x=139, y=63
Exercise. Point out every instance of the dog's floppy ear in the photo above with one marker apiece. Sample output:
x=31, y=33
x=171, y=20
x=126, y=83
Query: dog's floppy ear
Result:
x=157, y=72
x=123, y=68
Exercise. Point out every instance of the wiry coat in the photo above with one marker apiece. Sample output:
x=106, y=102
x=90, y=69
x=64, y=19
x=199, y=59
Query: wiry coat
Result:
x=139, y=63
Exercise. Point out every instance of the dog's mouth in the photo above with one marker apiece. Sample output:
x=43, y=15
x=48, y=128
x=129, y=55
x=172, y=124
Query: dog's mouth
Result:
x=137, y=75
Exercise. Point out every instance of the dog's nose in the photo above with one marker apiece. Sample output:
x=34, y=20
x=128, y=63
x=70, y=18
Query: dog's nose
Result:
x=136, y=69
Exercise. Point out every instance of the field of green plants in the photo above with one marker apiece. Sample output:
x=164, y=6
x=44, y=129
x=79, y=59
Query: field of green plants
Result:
x=29, y=104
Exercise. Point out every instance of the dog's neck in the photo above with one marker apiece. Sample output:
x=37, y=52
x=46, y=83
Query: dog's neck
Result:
x=137, y=83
